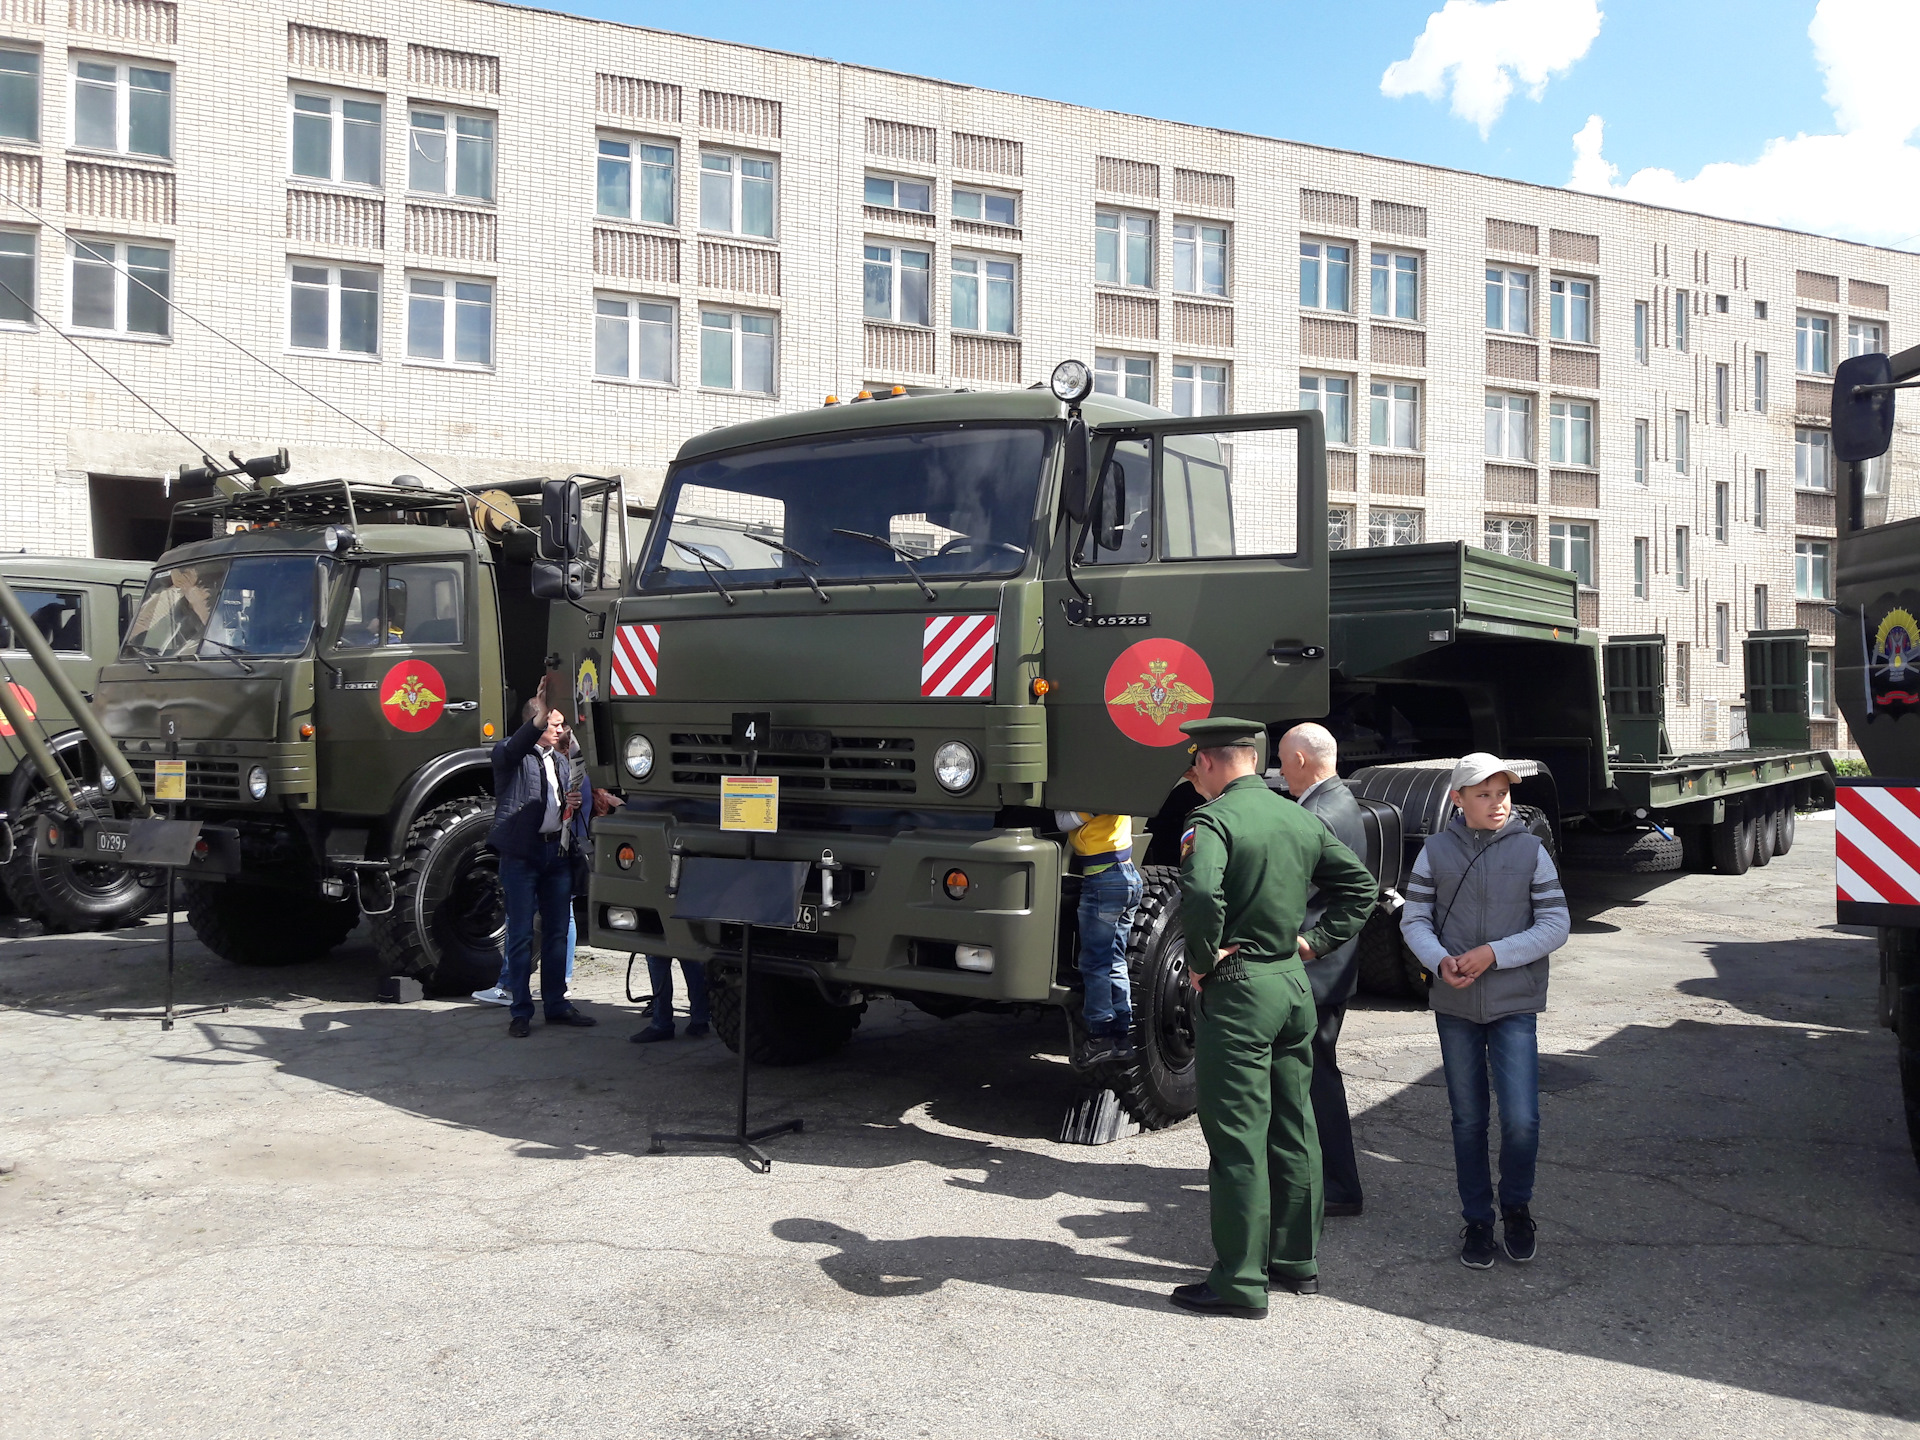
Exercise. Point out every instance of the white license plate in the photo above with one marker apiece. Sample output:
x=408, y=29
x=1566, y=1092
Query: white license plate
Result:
x=109, y=840
x=807, y=923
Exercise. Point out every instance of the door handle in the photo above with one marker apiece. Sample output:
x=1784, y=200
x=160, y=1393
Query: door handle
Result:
x=458, y=705
x=1284, y=652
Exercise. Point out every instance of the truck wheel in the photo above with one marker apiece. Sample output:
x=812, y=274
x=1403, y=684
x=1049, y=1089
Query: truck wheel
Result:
x=256, y=925
x=1696, y=847
x=65, y=894
x=792, y=1022
x=1783, y=825
x=449, y=917
x=1764, y=823
x=1387, y=967
x=1541, y=828
x=1159, y=1087
x=1631, y=852
x=1732, y=844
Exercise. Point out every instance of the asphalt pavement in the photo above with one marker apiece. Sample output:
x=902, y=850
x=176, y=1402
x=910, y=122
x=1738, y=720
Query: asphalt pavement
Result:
x=315, y=1215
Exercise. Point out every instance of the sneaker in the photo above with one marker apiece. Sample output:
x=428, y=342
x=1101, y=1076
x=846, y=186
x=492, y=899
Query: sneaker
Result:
x=1517, y=1231
x=698, y=1030
x=1123, y=1045
x=1097, y=1051
x=493, y=995
x=1476, y=1249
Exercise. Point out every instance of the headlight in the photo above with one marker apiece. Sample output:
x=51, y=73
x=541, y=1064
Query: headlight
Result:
x=639, y=756
x=619, y=917
x=257, y=782
x=977, y=958
x=1072, y=381
x=108, y=782
x=955, y=765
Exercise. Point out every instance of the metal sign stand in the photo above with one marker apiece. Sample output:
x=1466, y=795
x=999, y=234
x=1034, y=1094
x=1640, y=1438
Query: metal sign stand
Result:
x=166, y=845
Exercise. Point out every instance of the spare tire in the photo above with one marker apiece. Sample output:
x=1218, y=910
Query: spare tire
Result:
x=1631, y=852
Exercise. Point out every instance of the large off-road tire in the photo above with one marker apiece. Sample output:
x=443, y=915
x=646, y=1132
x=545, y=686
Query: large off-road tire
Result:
x=1783, y=826
x=65, y=894
x=1732, y=843
x=1541, y=828
x=258, y=925
x=1159, y=1086
x=1630, y=852
x=448, y=923
x=792, y=1022
x=1387, y=967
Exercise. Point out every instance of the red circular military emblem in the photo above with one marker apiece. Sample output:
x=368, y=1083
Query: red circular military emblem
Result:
x=27, y=703
x=412, y=696
x=1156, y=685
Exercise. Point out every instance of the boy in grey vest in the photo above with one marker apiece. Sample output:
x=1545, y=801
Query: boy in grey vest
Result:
x=1484, y=910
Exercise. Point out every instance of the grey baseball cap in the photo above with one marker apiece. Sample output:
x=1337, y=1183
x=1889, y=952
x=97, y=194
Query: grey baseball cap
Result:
x=1472, y=769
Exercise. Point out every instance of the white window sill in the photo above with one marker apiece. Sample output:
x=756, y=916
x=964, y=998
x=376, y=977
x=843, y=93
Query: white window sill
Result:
x=418, y=363
x=895, y=324
x=982, y=334
x=126, y=157
x=1397, y=320
x=1578, y=344
x=1511, y=334
x=767, y=241
x=80, y=332
x=633, y=384
x=738, y=394
x=463, y=202
x=1202, y=295
x=652, y=227
x=1325, y=310
x=18, y=327
x=354, y=357
x=1117, y=288
x=360, y=188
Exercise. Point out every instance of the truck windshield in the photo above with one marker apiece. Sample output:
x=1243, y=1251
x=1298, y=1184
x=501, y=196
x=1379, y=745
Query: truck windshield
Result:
x=250, y=605
x=958, y=501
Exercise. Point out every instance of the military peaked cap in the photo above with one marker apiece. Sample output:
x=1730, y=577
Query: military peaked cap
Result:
x=1222, y=730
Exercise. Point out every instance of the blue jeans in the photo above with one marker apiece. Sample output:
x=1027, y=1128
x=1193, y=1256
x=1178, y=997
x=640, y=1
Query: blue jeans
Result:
x=543, y=887
x=1107, y=903
x=1507, y=1049
x=660, y=972
x=505, y=982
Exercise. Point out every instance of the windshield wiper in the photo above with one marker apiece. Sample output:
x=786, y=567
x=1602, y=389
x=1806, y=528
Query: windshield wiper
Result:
x=906, y=556
x=232, y=654
x=798, y=559
x=706, y=566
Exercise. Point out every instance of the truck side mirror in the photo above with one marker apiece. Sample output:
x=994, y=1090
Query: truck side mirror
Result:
x=560, y=521
x=1862, y=424
x=1073, y=493
x=557, y=580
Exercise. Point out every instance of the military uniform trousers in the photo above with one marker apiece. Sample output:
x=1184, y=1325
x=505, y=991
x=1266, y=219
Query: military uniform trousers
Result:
x=1254, y=1063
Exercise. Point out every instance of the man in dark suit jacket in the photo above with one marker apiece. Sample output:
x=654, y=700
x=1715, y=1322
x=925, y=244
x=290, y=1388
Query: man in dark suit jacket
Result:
x=1307, y=756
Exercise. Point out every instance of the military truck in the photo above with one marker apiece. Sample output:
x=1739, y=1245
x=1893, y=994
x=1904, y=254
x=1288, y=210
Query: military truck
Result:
x=80, y=607
x=322, y=682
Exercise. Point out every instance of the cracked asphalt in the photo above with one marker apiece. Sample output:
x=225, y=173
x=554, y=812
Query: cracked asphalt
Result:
x=314, y=1215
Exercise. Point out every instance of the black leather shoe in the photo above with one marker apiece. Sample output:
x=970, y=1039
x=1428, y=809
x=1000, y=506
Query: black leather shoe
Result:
x=698, y=1030
x=1339, y=1209
x=519, y=1029
x=1201, y=1300
x=649, y=1035
x=571, y=1017
x=1293, y=1284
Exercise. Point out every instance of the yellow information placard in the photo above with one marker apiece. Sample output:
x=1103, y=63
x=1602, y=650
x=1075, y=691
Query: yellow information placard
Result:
x=169, y=779
x=750, y=802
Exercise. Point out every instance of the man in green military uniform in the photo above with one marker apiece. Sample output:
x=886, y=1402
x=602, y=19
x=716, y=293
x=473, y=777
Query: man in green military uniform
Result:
x=1246, y=866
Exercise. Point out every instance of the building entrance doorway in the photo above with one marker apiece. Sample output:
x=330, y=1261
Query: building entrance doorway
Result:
x=130, y=516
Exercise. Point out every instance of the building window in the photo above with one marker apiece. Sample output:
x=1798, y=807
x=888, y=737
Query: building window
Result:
x=1199, y=259
x=1509, y=426
x=1122, y=248
x=1812, y=460
x=1682, y=672
x=894, y=194
x=1396, y=285
x=1640, y=438
x=1722, y=633
x=19, y=94
x=450, y=154
x=1570, y=547
x=450, y=320
x=1813, y=345
x=896, y=285
x=633, y=340
x=1681, y=536
x=1332, y=396
x=334, y=309
x=1759, y=607
x=1640, y=567
x=1865, y=337
x=1721, y=384
x=1395, y=415
x=613, y=191
x=736, y=352
x=1339, y=527
x=1820, y=684
x=1199, y=389
x=736, y=194
x=1510, y=301
x=1759, y=309
x=1722, y=503
x=1681, y=310
x=1641, y=321
x=336, y=138
x=1510, y=535
x=1720, y=304
x=1396, y=527
x=1682, y=434
x=1760, y=382
x=124, y=108
x=1128, y=375
x=1571, y=304
x=985, y=206
x=16, y=277
x=1326, y=275
x=115, y=301
x=1572, y=438
x=1812, y=570
x=1759, y=499
x=983, y=294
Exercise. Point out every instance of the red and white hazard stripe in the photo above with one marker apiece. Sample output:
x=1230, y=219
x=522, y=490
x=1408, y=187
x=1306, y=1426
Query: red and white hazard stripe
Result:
x=636, y=660
x=956, y=656
x=1876, y=849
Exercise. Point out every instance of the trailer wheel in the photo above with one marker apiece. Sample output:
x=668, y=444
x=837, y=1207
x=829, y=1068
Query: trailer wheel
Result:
x=1783, y=825
x=792, y=1022
x=1160, y=1087
x=449, y=916
x=1732, y=844
x=65, y=894
x=1631, y=852
x=1387, y=967
x=1696, y=847
x=257, y=926
x=1765, y=820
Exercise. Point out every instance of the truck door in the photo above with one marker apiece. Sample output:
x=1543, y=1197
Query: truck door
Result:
x=400, y=682
x=60, y=611
x=1204, y=556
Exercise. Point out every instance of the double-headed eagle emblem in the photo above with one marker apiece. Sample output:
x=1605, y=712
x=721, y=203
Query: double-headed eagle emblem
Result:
x=413, y=696
x=1158, y=693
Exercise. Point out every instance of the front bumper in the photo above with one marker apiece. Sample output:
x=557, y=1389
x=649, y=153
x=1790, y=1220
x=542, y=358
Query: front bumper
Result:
x=898, y=929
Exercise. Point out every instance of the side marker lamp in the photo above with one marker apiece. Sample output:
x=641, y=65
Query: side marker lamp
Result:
x=956, y=884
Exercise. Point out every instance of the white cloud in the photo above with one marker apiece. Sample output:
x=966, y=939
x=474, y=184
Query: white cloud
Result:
x=1862, y=182
x=1480, y=47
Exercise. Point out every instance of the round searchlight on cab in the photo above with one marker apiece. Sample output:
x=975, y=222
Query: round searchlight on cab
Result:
x=1072, y=381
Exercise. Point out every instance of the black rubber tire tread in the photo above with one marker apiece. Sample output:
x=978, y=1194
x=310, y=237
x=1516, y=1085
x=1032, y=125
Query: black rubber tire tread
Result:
x=1732, y=844
x=1160, y=1086
x=1784, y=826
x=254, y=925
x=1387, y=967
x=792, y=1022
x=1629, y=852
x=46, y=889
x=1540, y=828
x=1765, y=820
x=1696, y=848
x=409, y=940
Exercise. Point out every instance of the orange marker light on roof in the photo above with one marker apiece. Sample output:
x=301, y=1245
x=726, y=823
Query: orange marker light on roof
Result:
x=833, y=399
x=864, y=395
x=899, y=390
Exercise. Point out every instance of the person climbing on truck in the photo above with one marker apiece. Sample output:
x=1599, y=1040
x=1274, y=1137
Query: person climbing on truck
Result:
x=1110, y=893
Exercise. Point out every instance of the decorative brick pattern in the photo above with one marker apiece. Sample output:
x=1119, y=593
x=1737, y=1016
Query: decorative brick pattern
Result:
x=1811, y=285
x=1813, y=400
x=636, y=255
x=1512, y=235
x=1126, y=317
x=119, y=192
x=988, y=154
x=911, y=219
x=24, y=12
x=1813, y=509
x=1589, y=609
x=898, y=350
x=453, y=69
x=1513, y=485
x=20, y=177
x=1510, y=360
x=1210, y=325
x=1395, y=345
x=340, y=222
x=1398, y=219
x=1867, y=295
x=993, y=234
x=740, y=114
x=743, y=269
x=448, y=233
x=1572, y=245
x=1126, y=177
x=980, y=357
x=1815, y=618
x=1202, y=187
x=336, y=52
x=1329, y=339
x=1342, y=471
x=1576, y=489
x=1397, y=474
x=1325, y=207
x=628, y=97
x=1575, y=367
x=897, y=140
x=151, y=22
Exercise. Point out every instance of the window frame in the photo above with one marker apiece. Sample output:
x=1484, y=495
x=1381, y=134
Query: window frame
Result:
x=637, y=164
x=894, y=180
x=897, y=271
x=38, y=71
x=1390, y=516
x=1812, y=561
x=1393, y=271
x=1120, y=364
x=1682, y=312
x=1501, y=278
x=1198, y=246
x=1322, y=265
x=450, y=162
x=737, y=343
x=1508, y=526
x=1759, y=499
x=1809, y=440
x=985, y=193
x=1642, y=452
x=1820, y=684
x=119, y=267
x=1682, y=557
x=1760, y=382
x=1722, y=395
x=1809, y=338
x=1722, y=510
x=334, y=287
x=1722, y=632
x=1642, y=331
x=1506, y=410
x=1566, y=542
x=1346, y=518
x=450, y=302
x=1682, y=441
x=31, y=254
x=737, y=161
x=1854, y=347
x=633, y=327
x=337, y=98
x=1123, y=219
x=1320, y=394
x=124, y=66
x=1642, y=567
x=1563, y=305
x=1391, y=400
x=1198, y=384
x=1762, y=604
x=1563, y=425
x=982, y=287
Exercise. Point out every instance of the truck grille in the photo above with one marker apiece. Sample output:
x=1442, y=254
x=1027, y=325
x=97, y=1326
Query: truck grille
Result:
x=207, y=780
x=855, y=765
